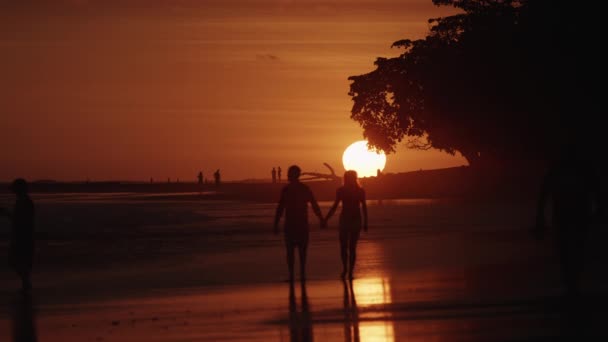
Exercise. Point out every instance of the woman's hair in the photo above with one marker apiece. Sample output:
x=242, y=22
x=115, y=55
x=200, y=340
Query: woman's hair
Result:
x=350, y=179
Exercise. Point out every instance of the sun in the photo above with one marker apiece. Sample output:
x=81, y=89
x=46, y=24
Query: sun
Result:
x=359, y=158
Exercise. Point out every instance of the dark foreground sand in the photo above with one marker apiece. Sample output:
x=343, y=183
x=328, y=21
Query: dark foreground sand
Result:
x=121, y=268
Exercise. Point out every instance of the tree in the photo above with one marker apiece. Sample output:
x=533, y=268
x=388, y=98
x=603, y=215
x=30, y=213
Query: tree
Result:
x=499, y=82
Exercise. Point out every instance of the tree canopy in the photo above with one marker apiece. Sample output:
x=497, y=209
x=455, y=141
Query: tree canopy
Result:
x=502, y=80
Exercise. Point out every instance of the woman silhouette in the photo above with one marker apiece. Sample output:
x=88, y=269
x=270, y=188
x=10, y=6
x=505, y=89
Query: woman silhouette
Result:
x=352, y=197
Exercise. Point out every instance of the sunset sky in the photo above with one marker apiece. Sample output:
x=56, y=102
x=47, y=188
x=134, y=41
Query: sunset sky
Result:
x=137, y=89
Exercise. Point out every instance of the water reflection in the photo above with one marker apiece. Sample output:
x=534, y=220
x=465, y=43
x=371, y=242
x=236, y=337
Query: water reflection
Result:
x=300, y=321
x=371, y=291
x=367, y=292
x=351, y=313
x=24, y=323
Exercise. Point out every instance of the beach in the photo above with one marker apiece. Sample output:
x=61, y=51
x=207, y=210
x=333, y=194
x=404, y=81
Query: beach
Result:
x=122, y=267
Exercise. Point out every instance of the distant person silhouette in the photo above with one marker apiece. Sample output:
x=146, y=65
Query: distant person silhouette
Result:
x=300, y=321
x=352, y=197
x=21, y=248
x=294, y=200
x=571, y=186
x=200, y=177
x=274, y=175
x=351, y=313
x=279, y=171
x=217, y=177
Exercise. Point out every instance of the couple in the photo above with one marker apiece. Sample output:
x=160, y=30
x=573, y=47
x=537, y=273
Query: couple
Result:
x=294, y=202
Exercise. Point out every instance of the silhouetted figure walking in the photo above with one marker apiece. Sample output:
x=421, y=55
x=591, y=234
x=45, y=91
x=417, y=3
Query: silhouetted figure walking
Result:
x=295, y=197
x=352, y=197
x=279, y=171
x=572, y=187
x=217, y=177
x=274, y=175
x=21, y=248
x=200, y=177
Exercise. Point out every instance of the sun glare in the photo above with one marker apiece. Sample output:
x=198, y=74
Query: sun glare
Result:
x=359, y=158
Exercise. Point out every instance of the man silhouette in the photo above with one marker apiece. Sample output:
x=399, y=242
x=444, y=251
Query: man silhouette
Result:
x=279, y=173
x=21, y=248
x=200, y=177
x=294, y=200
x=274, y=175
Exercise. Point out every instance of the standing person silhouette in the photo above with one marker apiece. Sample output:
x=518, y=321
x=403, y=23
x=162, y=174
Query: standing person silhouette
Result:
x=21, y=248
x=352, y=197
x=274, y=175
x=200, y=177
x=279, y=173
x=572, y=187
x=294, y=200
x=216, y=175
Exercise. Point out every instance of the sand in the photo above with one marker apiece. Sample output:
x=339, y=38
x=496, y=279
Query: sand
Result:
x=119, y=267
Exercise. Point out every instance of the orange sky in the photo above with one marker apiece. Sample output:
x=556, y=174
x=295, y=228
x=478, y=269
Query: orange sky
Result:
x=138, y=89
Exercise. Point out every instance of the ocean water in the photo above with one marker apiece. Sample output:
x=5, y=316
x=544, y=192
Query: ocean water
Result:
x=427, y=270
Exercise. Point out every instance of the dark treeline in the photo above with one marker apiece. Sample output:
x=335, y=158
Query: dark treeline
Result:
x=504, y=82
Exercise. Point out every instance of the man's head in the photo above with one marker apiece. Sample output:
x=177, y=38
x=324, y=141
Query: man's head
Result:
x=293, y=174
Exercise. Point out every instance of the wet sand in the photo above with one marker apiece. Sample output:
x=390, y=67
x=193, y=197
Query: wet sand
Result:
x=126, y=269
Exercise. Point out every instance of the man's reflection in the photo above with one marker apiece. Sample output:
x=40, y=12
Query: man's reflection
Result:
x=24, y=324
x=300, y=322
x=351, y=313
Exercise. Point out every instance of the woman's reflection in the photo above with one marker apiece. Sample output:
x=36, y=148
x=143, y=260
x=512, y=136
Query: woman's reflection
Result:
x=300, y=322
x=351, y=313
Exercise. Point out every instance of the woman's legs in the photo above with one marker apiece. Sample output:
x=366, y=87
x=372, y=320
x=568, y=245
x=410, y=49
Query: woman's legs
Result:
x=344, y=249
x=352, y=251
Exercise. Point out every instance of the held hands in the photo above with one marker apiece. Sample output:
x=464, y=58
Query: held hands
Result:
x=323, y=222
x=365, y=227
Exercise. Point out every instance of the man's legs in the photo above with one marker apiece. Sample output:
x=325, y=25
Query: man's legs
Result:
x=302, y=248
x=290, y=258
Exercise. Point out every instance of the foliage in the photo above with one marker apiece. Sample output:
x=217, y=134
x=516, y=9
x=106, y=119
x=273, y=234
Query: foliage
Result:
x=496, y=82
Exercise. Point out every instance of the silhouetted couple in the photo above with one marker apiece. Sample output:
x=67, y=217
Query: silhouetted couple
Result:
x=21, y=248
x=294, y=200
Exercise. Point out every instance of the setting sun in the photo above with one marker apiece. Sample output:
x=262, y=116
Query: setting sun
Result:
x=358, y=157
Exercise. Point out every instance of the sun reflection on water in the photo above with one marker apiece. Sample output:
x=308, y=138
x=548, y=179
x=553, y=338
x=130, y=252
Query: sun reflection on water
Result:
x=368, y=292
x=371, y=291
